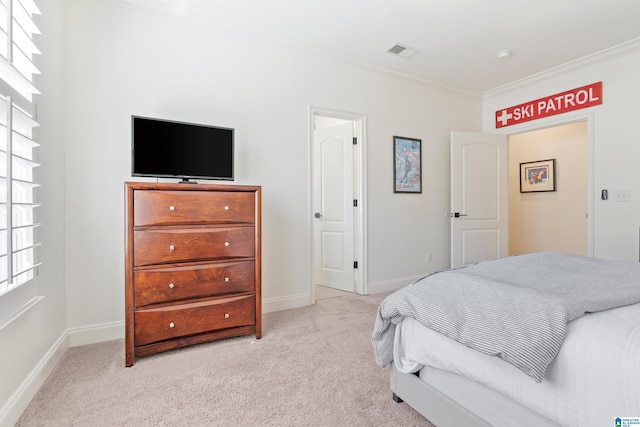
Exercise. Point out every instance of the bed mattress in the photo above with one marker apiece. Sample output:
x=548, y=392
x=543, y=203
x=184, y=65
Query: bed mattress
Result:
x=594, y=379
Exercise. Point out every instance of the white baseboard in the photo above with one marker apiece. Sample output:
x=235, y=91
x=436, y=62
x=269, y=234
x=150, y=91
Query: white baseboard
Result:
x=11, y=411
x=115, y=330
x=95, y=333
x=286, y=303
x=391, y=285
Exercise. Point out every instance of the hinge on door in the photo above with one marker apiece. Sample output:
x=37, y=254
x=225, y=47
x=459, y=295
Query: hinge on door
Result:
x=355, y=203
x=355, y=264
x=355, y=140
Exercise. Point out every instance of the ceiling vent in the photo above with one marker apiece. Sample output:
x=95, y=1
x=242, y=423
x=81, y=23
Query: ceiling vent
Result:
x=402, y=50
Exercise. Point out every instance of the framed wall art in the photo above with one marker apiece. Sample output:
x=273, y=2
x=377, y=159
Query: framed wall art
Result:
x=538, y=176
x=407, y=165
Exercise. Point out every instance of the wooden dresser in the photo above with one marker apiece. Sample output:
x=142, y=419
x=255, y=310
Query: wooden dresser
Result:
x=192, y=265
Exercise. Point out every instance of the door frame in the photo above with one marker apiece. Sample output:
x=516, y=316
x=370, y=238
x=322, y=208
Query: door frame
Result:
x=360, y=174
x=559, y=121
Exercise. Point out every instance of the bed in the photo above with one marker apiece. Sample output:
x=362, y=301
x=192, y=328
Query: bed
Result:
x=543, y=339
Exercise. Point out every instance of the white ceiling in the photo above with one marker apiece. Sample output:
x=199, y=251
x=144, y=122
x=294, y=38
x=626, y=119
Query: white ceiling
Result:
x=458, y=40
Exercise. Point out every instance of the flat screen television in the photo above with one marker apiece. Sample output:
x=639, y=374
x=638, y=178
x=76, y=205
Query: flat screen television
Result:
x=170, y=149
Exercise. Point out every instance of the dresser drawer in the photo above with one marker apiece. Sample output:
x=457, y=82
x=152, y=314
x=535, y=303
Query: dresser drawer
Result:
x=158, y=285
x=165, y=246
x=180, y=320
x=192, y=207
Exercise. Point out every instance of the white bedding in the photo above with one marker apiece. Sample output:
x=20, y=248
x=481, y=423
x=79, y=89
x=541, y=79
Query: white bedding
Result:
x=594, y=379
x=515, y=308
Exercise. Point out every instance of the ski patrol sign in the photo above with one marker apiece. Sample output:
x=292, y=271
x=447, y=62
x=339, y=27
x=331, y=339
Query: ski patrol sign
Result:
x=574, y=99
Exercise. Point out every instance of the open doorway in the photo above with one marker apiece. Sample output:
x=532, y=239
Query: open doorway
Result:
x=480, y=219
x=550, y=220
x=337, y=203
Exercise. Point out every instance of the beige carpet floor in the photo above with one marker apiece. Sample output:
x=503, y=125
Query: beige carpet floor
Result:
x=314, y=366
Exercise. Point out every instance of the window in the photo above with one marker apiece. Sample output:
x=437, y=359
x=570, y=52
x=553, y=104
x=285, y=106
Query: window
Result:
x=18, y=236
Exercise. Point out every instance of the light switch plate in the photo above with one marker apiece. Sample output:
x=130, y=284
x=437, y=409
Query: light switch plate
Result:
x=622, y=196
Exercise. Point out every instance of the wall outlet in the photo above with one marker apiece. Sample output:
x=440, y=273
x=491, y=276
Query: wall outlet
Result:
x=428, y=257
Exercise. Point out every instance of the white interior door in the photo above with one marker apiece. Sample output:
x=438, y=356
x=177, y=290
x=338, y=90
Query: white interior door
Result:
x=333, y=190
x=479, y=203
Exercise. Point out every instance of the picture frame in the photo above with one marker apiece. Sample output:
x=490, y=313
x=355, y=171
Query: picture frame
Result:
x=538, y=176
x=407, y=165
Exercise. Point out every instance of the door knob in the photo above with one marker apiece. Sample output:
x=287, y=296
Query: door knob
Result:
x=317, y=215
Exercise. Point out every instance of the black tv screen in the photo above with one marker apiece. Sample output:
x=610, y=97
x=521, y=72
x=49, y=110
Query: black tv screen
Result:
x=170, y=149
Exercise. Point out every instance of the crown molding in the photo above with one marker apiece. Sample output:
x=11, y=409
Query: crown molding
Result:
x=602, y=55
x=170, y=7
x=184, y=10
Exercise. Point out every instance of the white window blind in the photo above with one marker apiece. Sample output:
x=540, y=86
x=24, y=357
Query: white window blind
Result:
x=18, y=236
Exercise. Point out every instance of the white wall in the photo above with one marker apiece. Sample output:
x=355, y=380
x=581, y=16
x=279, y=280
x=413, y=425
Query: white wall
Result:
x=32, y=344
x=614, y=131
x=103, y=62
x=555, y=220
x=121, y=61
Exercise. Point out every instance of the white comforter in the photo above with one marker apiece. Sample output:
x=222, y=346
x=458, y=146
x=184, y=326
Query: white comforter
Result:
x=594, y=379
x=515, y=308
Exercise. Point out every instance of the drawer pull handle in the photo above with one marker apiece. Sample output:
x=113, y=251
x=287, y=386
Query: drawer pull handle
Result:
x=171, y=248
x=226, y=279
x=172, y=208
x=226, y=315
x=226, y=208
x=171, y=286
x=171, y=325
x=226, y=243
